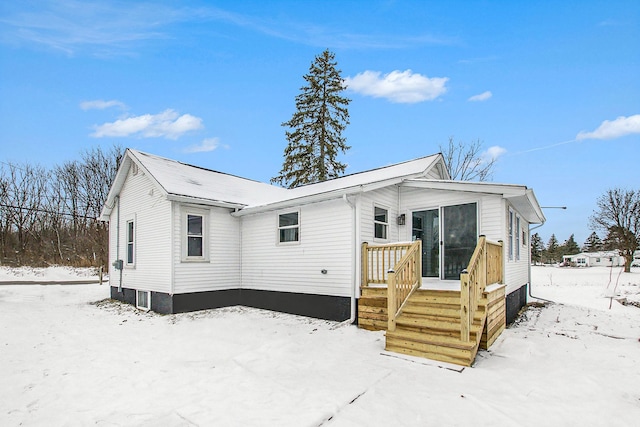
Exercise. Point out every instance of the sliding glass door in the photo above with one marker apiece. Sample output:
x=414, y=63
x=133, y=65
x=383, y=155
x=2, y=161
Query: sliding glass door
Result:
x=446, y=254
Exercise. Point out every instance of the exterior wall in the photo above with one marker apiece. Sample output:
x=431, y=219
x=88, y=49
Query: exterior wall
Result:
x=516, y=271
x=386, y=198
x=142, y=203
x=489, y=209
x=221, y=269
x=326, y=241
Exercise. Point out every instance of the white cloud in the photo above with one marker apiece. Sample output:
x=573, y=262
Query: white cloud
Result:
x=493, y=152
x=481, y=97
x=208, y=144
x=398, y=86
x=100, y=104
x=168, y=124
x=621, y=126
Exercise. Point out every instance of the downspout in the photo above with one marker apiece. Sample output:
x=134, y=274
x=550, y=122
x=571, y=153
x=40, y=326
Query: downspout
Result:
x=118, y=243
x=529, y=287
x=353, y=260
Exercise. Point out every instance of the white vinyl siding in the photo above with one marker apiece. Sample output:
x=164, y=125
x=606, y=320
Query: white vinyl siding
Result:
x=386, y=198
x=516, y=271
x=325, y=244
x=221, y=268
x=150, y=212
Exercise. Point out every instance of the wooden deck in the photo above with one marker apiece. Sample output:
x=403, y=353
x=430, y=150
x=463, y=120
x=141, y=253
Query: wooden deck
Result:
x=440, y=320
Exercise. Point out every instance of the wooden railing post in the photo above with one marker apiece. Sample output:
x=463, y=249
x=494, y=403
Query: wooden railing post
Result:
x=465, y=318
x=364, y=280
x=501, y=263
x=391, y=300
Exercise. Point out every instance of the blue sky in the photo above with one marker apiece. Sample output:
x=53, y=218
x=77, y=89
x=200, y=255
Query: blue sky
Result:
x=552, y=88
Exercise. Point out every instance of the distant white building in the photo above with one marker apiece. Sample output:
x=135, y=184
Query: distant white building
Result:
x=594, y=259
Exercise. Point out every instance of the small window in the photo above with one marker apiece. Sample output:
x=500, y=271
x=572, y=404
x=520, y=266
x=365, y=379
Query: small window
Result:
x=194, y=232
x=130, y=242
x=510, y=234
x=195, y=236
x=517, y=233
x=143, y=300
x=380, y=223
x=289, y=227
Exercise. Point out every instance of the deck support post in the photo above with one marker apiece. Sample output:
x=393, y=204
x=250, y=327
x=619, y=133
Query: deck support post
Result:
x=391, y=300
x=364, y=279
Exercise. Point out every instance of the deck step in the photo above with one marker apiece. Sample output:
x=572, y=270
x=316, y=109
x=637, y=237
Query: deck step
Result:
x=433, y=339
x=444, y=354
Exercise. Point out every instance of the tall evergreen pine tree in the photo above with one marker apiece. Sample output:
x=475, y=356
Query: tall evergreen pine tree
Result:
x=315, y=135
x=536, y=248
x=570, y=247
x=552, y=249
x=593, y=243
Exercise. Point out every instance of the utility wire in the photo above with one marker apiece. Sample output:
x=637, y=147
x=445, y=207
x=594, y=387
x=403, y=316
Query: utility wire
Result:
x=48, y=211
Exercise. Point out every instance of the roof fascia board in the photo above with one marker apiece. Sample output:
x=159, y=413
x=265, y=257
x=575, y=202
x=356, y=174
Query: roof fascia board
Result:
x=318, y=197
x=201, y=201
x=507, y=190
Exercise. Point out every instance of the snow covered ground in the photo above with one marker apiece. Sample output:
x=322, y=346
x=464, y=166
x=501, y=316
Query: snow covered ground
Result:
x=70, y=357
x=49, y=274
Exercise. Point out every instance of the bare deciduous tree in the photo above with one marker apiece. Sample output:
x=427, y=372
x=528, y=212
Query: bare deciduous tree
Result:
x=618, y=213
x=465, y=162
x=51, y=216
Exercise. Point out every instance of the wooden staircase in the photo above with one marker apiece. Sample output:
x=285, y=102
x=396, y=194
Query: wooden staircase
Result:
x=444, y=325
x=430, y=326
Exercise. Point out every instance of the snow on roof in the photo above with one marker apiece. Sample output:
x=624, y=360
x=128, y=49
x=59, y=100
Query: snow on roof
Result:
x=183, y=180
x=416, y=168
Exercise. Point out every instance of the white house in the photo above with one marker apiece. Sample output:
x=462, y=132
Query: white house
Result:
x=185, y=238
x=595, y=259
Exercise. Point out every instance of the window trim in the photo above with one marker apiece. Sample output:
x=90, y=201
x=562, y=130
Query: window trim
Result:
x=184, y=234
x=141, y=307
x=510, y=225
x=279, y=228
x=517, y=235
x=385, y=225
x=133, y=243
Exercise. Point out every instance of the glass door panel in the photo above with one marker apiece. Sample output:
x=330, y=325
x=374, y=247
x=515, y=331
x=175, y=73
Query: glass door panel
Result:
x=426, y=227
x=460, y=236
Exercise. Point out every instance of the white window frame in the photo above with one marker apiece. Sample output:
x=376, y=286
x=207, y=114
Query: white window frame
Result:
x=279, y=228
x=510, y=225
x=385, y=225
x=138, y=305
x=517, y=235
x=184, y=232
x=131, y=243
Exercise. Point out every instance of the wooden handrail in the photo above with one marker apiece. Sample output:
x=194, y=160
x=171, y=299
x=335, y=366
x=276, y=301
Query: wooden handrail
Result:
x=377, y=260
x=485, y=268
x=403, y=280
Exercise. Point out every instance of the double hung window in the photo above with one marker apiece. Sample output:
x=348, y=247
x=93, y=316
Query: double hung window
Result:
x=194, y=235
x=289, y=227
x=131, y=240
x=380, y=223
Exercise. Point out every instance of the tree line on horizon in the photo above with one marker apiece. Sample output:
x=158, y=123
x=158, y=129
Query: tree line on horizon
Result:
x=50, y=216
